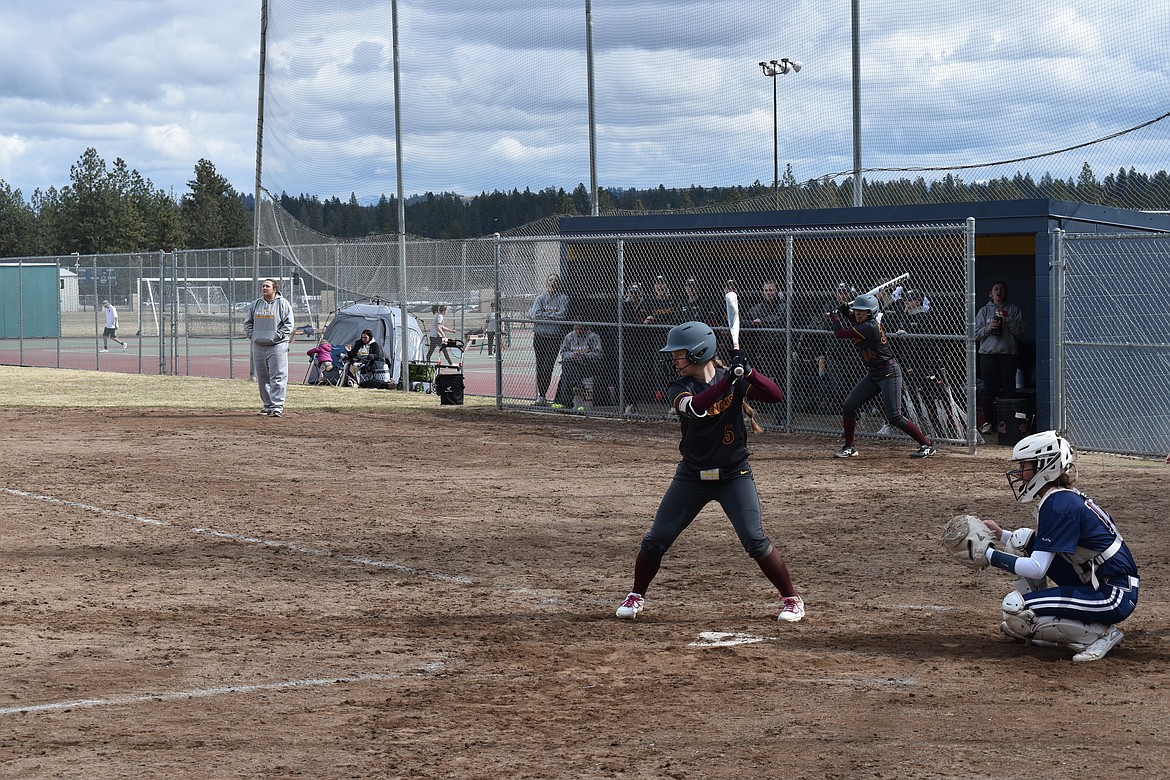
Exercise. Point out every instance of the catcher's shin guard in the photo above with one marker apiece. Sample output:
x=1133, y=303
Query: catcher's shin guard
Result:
x=1023, y=624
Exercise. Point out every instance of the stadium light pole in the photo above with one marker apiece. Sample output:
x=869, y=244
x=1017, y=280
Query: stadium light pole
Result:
x=772, y=69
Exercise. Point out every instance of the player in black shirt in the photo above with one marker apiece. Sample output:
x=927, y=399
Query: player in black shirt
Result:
x=709, y=401
x=883, y=375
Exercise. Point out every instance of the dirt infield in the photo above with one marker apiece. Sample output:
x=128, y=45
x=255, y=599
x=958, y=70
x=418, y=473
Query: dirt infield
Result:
x=430, y=594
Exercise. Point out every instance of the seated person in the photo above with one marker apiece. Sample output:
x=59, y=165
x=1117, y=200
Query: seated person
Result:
x=323, y=354
x=365, y=356
x=580, y=358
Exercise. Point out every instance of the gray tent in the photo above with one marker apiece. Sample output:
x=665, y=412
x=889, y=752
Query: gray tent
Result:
x=348, y=323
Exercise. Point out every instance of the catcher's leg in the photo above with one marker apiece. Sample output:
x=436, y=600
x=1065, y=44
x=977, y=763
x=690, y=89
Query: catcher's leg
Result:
x=1091, y=640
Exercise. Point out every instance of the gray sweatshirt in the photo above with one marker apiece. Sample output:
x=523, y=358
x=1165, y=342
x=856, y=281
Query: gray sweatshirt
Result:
x=269, y=323
x=548, y=311
x=1007, y=341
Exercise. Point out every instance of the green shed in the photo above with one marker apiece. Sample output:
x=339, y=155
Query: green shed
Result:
x=38, y=285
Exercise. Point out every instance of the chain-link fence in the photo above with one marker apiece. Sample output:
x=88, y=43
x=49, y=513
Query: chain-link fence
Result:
x=1111, y=341
x=182, y=313
x=630, y=290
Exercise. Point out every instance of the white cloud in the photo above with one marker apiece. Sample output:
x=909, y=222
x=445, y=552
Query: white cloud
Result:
x=494, y=95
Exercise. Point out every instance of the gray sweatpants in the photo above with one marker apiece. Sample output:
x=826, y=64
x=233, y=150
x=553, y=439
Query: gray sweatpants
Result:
x=270, y=365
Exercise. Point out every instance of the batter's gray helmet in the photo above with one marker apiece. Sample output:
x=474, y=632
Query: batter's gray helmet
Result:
x=695, y=337
x=865, y=302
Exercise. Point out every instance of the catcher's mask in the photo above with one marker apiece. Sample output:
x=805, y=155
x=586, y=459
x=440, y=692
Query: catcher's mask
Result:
x=1048, y=454
x=695, y=337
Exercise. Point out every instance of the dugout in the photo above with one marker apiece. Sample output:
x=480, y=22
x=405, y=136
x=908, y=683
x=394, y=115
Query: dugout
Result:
x=1013, y=244
x=31, y=297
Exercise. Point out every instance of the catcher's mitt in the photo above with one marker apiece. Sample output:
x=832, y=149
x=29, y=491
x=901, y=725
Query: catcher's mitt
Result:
x=967, y=538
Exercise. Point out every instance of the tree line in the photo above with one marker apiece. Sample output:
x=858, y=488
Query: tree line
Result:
x=105, y=210
x=113, y=209
x=449, y=215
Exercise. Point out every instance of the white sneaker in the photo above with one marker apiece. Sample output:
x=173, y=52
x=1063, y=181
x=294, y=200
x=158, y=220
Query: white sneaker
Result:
x=846, y=452
x=103, y=350
x=124, y=345
x=793, y=609
x=630, y=608
x=1100, y=648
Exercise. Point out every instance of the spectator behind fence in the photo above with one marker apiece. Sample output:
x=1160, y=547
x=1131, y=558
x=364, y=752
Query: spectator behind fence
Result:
x=767, y=347
x=636, y=342
x=548, y=311
x=490, y=325
x=111, y=329
x=836, y=362
x=580, y=359
x=695, y=306
x=999, y=325
x=438, y=332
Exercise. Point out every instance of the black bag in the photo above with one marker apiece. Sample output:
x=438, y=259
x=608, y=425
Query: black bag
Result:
x=450, y=389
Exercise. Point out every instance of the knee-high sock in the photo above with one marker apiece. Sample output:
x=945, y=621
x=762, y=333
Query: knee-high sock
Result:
x=776, y=570
x=644, y=571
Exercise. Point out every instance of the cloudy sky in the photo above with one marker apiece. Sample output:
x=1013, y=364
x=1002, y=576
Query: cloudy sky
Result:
x=494, y=92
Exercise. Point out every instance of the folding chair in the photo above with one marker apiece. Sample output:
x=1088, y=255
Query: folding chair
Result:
x=331, y=377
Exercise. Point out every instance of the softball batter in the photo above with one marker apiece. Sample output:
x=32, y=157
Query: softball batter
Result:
x=883, y=374
x=714, y=466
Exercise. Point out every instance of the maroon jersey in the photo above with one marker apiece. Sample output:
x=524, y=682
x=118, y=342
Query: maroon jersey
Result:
x=869, y=339
x=718, y=439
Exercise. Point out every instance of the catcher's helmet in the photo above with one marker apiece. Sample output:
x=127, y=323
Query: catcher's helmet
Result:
x=695, y=337
x=1051, y=453
x=865, y=302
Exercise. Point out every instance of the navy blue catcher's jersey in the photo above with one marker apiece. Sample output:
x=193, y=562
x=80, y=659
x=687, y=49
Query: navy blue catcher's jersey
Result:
x=1070, y=519
x=717, y=440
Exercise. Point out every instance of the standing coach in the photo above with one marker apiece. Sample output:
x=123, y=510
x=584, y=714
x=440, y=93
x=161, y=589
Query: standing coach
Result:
x=269, y=326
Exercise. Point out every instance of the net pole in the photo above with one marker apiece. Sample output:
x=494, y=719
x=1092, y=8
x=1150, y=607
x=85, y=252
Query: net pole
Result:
x=259, y=155
x=404, y=336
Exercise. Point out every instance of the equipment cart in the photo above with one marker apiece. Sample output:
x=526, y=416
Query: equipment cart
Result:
x=449, y=378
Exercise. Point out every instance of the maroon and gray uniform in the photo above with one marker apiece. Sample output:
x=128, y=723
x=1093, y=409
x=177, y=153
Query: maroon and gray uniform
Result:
x=714, y=465
x=883, y=376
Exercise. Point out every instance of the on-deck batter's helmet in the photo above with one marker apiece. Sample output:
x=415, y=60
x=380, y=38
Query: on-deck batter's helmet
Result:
x=696, y=338
x=865, y=302
x=1051, y=453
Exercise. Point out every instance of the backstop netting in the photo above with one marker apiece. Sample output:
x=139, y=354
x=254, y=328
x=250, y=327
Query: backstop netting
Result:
x=958, y=101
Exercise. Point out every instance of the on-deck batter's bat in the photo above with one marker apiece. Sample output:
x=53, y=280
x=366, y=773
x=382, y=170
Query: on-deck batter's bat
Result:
x=731, y=299
x=895, y=280
x=957, y=416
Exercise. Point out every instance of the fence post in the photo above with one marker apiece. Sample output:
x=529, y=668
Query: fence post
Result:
x=789, y=260
x=1056, y=325
x=499, y=314
x=969, y=258
x=621, y=333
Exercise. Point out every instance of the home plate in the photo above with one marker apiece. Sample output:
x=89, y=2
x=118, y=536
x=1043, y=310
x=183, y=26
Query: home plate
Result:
x=725, y=639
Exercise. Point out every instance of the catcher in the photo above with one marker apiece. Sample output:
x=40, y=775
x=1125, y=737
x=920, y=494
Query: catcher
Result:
x=1075, y=545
